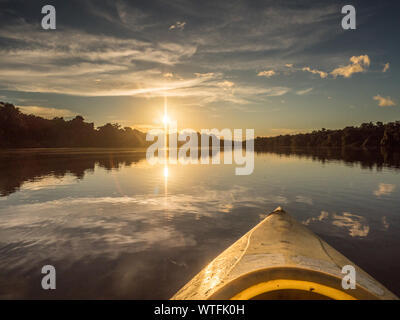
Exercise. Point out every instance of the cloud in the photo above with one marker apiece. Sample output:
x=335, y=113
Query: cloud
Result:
x=303, y=92
x=48, y=182
x=82, y=46
x=204, y=75
x=384, y=189
x=324, y=215
x=210, y=91
x=266, y=73
x=285, y=36
x=226, y=84
x=48, y=113
x=358, y=64
x=178, y=25
x=284, y=131
x=322, y=74
x=304, y=199
x=86, y=64
x=384, y=102
x=357, y=225
x=91, y=66
x=125, y=50
x=386, y=67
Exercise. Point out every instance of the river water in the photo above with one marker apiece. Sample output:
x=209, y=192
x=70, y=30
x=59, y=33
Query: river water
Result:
x=115, y=226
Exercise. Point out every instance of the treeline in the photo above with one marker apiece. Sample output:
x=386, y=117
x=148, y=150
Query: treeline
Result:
x=367, y=136
x=18, y=130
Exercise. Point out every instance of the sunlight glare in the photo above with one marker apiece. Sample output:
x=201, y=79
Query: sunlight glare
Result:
x=165, y=172
x=166, y=119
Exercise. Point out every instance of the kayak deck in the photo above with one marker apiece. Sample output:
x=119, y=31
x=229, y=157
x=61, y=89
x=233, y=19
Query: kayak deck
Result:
x=280, y=259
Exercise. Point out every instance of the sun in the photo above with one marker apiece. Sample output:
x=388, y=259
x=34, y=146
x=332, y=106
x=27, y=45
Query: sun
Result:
x=166, y=119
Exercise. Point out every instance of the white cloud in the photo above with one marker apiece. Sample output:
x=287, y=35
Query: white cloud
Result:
x=109, y=222
x=303, y=92
x=304, y=199
x=178, y=25
x=48, y=182
x=283, y=131
x=225, y=84
x=266, y=73
x=113, y=68
x=118, y=61
x=386, y=67
x=384, y=102
x=48, y=113
x=322, y=74
x=384, y=189
x=210, y=91
x=91, y=48
x=282, y=34
x=358, y=64
x=86, y=65
x=204, y=75
x=357, y=225
x=324, y=215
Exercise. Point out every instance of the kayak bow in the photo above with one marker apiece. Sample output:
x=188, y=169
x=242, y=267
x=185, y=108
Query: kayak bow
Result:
x=280, y=259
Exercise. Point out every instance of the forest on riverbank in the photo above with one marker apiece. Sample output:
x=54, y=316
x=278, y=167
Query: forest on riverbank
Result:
x=20, y=130
x=367, y=136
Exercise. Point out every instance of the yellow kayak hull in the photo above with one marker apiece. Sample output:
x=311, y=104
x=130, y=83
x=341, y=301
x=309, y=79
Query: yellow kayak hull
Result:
x=280, y=259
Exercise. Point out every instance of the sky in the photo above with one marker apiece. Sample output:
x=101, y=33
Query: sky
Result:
x=276, y=67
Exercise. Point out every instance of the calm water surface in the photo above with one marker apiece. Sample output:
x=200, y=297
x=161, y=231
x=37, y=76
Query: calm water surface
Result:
x=116, y=227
